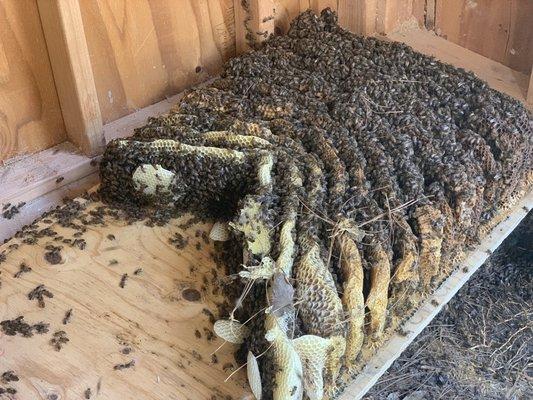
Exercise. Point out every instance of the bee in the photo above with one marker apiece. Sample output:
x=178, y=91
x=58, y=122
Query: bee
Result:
x=67, y=317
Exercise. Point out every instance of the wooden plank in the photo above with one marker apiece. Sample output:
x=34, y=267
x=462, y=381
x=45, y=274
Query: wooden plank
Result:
x=143, y=51
x=158, y=316
x=318, y=5
x=499, y=30
x=392, y=349
x=124, y=126
x=419, y=12
x=358, y=16
x=391, y=14
x=30, y=115
x=69, y=56
x=519, y=48
x=36, y=207
x=41, y=173
x=31, y=177
x=497, y=75
x=254, y=22
x=431, y=9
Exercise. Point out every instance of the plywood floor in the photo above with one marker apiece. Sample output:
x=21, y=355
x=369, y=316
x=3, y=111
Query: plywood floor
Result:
x=159, y=314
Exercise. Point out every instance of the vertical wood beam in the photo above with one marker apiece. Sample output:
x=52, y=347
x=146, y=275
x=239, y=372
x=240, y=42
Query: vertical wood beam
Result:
x=419, y=12
x=382, y=16
x=358, y=16
x=254, y=22
x=431, y=11
x=73, y=75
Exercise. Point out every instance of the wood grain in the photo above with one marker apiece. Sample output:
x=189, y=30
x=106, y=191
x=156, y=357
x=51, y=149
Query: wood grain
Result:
x=67, y=47
x=419, y=12
x=35, y=207
x=498, y=29
x=142, y=51
x=431, y=9
x=358, y=16
x=391, y=14
x=30, y=116
x=151, y=315
x=41, y=173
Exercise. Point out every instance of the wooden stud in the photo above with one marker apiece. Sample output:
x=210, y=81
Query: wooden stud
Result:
x=254, y=21
x=419, y=12
x=358, y=16
x=431, y=9
x=71, y=65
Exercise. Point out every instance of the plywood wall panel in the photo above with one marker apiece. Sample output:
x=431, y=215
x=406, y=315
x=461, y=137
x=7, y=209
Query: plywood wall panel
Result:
x=391, y=14
x=30, y=115
x=498, y=29
x=360, y=16
x=287, y=10
x=144, y=50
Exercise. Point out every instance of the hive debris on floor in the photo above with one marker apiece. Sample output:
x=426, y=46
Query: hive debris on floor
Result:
x=348, y=176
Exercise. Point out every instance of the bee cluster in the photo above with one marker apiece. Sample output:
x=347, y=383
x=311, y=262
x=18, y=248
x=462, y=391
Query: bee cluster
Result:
x=352, y=174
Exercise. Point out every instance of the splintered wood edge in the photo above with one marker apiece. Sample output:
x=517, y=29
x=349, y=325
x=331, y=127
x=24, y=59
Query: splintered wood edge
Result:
x=431, y=306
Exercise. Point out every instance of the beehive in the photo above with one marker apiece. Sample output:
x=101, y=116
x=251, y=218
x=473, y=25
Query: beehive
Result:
x=351, y=205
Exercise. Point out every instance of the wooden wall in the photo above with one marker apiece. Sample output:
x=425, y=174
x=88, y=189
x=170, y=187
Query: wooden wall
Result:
x=30, y=116
x=144, y=50
x=359, y=16
x=501, y=30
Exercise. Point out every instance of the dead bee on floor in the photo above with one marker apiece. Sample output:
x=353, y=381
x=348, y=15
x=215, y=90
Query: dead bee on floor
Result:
x=123, y=280
x=9, y=376
x=119, y=367
x=59, y=339
x=23, y=268
x=39, y=293
x=67, y=317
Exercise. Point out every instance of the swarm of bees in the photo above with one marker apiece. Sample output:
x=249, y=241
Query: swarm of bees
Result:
x=348, y=175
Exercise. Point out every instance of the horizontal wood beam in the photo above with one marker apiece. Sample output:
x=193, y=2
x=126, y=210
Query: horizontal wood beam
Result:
x=73, y=75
